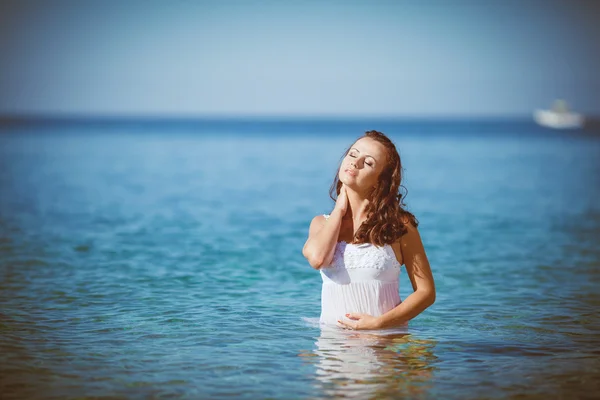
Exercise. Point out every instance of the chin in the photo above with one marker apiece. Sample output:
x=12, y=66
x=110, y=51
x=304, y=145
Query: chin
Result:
x=344, y=179
x=351, y=183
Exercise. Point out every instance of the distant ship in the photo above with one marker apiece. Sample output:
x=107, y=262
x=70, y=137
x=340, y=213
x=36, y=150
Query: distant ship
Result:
x=559, y=117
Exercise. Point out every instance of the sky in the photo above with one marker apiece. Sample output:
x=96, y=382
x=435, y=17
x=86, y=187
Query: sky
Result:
x=428, y=58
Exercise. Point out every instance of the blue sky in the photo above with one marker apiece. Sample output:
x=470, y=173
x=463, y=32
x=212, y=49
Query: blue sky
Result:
x=303, y=58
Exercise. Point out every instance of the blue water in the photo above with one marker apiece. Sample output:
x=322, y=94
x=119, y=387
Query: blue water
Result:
x=163, y=259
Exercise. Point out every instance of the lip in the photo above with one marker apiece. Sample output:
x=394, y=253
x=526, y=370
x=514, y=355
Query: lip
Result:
x=350, y=172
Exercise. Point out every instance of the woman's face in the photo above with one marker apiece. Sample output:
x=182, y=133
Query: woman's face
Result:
x=363, y=164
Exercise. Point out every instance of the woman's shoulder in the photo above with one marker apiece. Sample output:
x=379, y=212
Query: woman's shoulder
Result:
x=317, y=223
x=409, y=225
x=319, y=219
x=406, y=239
x=409, y=220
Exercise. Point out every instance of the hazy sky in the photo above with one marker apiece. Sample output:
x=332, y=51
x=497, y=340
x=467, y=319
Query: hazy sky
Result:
x=356, y=58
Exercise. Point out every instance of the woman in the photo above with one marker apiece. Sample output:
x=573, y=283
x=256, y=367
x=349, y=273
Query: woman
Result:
x=361, y=245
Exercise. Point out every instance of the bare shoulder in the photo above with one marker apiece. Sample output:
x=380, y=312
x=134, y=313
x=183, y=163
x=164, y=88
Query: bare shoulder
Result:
x=408, y=242
x=316, y=224
x=412, y=237
x=406, y=220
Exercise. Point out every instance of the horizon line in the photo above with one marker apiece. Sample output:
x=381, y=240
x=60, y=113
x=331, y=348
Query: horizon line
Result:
x=259, y=117
x=222, y=117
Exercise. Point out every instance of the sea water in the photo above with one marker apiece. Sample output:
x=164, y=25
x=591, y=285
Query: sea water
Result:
x=163, y=259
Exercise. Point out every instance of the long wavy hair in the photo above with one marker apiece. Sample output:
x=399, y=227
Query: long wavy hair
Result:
x=386, y=214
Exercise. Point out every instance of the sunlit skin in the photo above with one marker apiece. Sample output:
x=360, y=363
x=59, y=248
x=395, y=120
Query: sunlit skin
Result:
x=359, y=173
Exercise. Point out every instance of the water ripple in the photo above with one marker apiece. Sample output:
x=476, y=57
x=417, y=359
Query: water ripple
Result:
x=132, y=267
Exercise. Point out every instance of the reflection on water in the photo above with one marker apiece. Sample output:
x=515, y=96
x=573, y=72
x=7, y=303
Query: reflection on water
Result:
x=366, y=365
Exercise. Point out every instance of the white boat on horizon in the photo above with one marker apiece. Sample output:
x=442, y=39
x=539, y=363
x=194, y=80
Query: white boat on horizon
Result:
x=559, y=117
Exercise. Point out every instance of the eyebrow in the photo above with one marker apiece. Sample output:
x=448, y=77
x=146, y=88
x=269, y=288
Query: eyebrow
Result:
x=366, y=155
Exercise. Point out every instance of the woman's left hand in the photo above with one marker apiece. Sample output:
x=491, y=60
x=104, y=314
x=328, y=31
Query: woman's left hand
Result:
x=360, y=321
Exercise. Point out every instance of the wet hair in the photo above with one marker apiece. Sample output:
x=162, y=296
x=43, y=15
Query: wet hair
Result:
x=387, y=217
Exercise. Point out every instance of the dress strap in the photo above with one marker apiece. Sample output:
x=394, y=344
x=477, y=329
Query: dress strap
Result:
x=326, y=216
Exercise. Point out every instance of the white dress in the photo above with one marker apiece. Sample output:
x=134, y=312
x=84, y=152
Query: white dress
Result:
x=362, y=278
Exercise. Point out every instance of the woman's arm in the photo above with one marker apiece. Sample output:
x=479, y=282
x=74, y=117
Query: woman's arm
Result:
x=323, y=234
x=411, y=251
x=322, y=238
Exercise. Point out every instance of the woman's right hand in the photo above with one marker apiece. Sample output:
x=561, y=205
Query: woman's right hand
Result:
x=341, y=203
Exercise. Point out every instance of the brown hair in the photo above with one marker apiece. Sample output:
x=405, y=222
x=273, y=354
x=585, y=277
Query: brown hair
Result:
x=386, y=217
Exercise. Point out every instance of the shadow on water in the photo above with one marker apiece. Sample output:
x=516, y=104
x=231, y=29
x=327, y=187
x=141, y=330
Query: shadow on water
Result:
x=364, y=365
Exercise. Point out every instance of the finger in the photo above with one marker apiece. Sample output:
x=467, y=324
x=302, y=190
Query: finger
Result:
x=345, y=324
x=354, y=316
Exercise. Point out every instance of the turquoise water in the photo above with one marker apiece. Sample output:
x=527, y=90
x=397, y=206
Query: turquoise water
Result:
x=164, y=260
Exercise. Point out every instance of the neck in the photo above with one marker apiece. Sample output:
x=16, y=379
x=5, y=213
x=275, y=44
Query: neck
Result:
x=357, y=206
